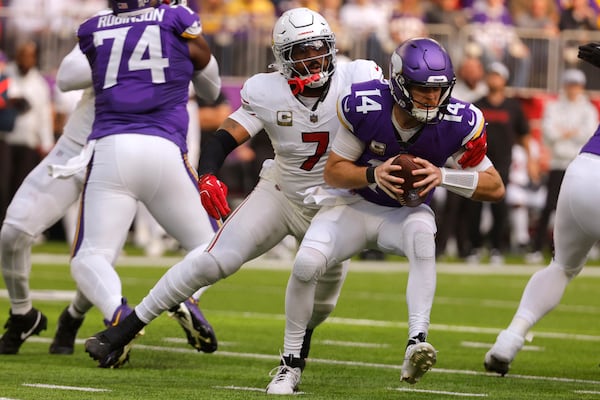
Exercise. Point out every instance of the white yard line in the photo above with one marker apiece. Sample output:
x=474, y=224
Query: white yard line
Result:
x=242, y=388
x=369, y=322
x=250, y=389
x=342, y=343
x=262, y=263
x=458, y=394
x=61, y=387
x=481, y=345
x=586, y=391
x=275, y=358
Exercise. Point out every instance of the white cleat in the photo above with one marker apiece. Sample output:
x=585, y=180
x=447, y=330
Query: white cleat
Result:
x=285, y=380
x=418, y=359
x=286, y=377
x=503, y=352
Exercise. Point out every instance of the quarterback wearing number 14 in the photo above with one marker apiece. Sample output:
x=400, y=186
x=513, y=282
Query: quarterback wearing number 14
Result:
x=413, y=112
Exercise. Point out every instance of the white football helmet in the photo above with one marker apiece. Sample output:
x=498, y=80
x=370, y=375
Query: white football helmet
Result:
x=302, y=26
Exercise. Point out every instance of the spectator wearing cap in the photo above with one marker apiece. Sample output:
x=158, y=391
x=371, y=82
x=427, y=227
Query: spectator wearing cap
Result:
x=506, y=126
x=564, y=137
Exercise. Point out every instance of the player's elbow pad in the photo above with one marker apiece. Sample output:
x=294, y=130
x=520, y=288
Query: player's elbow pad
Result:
x=207, y=81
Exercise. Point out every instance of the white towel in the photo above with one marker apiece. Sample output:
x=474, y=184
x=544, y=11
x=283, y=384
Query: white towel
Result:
x=74, y=164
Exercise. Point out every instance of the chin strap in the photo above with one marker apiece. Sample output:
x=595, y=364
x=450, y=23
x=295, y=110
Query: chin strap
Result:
x=297, y=84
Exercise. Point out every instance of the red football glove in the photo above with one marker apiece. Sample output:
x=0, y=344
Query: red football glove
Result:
x=213, y=194
x=475, y=152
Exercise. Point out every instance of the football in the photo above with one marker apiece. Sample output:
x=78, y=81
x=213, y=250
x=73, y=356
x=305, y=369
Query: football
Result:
x=411, y=197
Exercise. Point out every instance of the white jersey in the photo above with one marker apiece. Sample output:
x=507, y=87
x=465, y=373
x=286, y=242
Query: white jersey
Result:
x=301, y=137
x=79, y=124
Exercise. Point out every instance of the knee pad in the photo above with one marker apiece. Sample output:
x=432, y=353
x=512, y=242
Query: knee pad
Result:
x=12, y=238
x=419, y=240
x=309, y=264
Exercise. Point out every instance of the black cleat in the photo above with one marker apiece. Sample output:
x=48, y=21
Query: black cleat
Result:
x=112, y=346
x=99, y=346
x=100, y=349
x=19, y=328
x=66, y=331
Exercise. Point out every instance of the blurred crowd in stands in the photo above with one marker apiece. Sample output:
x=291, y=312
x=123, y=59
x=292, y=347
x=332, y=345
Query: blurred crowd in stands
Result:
x=515, y=59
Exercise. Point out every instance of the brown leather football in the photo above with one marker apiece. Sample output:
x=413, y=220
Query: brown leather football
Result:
x=411, y=197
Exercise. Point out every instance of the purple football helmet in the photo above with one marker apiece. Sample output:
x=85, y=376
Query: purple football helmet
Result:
x=123, y=6
x=421, y=62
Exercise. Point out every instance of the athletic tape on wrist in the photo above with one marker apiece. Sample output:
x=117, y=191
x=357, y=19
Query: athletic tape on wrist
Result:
x=460, y=182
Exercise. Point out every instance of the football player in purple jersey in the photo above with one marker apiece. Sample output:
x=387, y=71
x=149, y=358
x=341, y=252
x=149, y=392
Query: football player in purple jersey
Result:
x=143, y=55
x=411, y=113
x=576, y=230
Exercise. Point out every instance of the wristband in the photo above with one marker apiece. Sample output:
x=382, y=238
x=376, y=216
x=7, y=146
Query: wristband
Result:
x=370, y=172
x=460, y=182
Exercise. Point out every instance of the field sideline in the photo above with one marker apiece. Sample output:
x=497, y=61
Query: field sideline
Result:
x=356, y=354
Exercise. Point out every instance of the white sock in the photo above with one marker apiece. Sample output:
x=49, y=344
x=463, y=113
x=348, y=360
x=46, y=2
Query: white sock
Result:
x=541, y=295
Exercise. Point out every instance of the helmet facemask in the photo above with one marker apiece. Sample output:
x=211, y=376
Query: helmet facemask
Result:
x=297, y=31
x=298, y=70
x=423, y=63
x=425, y=113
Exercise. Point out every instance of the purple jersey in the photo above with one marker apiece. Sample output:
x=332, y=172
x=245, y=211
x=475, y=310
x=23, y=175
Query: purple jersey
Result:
x=366, y=111
x=141, y=71
x=593, y=145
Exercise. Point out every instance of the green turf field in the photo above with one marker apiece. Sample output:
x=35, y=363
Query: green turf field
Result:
x=355, y=355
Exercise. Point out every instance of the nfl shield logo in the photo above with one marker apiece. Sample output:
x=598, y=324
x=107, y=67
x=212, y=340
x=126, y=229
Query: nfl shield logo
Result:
x=314, y=118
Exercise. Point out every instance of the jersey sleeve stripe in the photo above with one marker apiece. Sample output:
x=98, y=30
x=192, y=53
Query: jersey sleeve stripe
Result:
x=479, y=125
x=342, y=117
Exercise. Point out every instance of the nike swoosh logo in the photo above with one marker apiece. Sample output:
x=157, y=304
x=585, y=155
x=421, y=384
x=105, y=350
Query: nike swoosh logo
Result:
x=472, y=121
x=346, y=108
x=205, y=340
x=117, y=318
x=25, y=335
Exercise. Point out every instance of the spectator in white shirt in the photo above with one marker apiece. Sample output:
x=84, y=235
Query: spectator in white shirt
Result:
x=32, y=136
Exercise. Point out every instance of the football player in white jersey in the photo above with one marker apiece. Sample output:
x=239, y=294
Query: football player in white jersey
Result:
x=296, y=107
x=39, y=203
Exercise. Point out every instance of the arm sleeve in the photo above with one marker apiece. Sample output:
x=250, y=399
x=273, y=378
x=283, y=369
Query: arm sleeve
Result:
x=214, y=152
x=74, y=72
x=207, y=82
